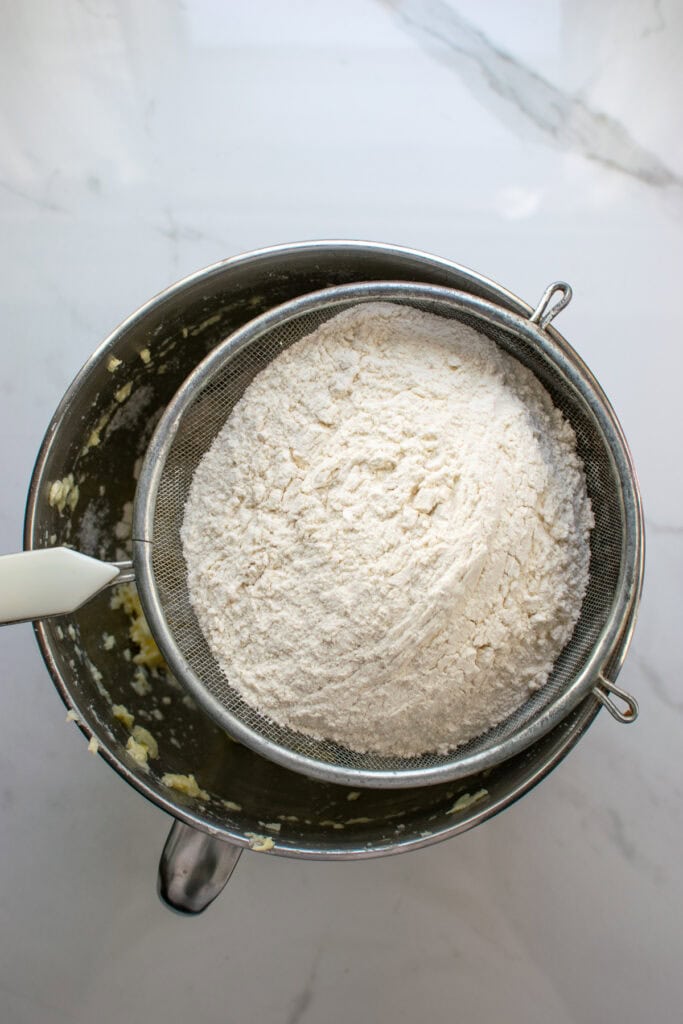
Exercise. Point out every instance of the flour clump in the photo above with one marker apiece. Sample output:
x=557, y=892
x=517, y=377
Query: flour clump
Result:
x=387, y=542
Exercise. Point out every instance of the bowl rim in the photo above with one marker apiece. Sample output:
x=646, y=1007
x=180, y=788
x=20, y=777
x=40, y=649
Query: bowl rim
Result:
x=564, y=736
x=577, y=378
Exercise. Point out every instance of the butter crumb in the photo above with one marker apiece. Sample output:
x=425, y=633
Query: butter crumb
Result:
x=122, y=394
x=138, y=752
x=93, y=745
x=126, y=597
x=272, y=826
x=358, y=821
x=145, y=355
x=144, y=738
x=140, y=683
x=123, y=715
x=63, y=493
x=206, y=323
x=184, y=784
x=327, y=823
x=353, y=795
x=72, y=716
x=465, y=801
x=141, y=745
x=113, y=363
x=261, y=844
x=94, y=438
x=108, y=641
x=230, y=805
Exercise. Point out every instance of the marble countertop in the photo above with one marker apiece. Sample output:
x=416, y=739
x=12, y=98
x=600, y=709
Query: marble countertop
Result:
x=529, y=141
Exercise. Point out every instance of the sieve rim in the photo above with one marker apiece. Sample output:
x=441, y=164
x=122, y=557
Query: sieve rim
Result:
x=574, y=373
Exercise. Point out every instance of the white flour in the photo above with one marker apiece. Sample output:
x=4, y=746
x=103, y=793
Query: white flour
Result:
x=387, y=543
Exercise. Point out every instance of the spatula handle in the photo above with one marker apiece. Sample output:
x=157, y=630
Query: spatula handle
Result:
x=52, y=581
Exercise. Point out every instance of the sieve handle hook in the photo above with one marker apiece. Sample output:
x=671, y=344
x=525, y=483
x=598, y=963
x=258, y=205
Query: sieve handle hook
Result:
x=605, y=691
x=194, y=868
x=547, y=310
x=53, y=581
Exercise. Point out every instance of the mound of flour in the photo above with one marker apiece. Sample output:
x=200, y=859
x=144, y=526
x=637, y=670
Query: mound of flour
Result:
x=387, y=543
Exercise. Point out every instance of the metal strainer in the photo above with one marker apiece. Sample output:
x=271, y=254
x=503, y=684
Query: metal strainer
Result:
x=198, y=412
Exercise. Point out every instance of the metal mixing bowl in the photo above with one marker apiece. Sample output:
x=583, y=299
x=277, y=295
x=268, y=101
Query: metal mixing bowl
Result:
x=178, y=328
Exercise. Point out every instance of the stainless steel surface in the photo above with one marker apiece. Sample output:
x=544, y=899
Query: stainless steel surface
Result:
x=178, y=328
x=194, y=868
x=197, y=413
x=126, y=573
x=546, y=310
x=606, y=690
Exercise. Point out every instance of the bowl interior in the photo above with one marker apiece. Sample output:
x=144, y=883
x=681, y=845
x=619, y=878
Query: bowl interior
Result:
x=98, y=436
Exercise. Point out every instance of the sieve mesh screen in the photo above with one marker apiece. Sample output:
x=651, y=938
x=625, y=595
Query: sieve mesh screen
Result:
x=204, y=414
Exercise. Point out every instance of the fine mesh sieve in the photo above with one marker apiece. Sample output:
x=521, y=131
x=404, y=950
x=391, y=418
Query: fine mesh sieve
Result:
x=198, y=412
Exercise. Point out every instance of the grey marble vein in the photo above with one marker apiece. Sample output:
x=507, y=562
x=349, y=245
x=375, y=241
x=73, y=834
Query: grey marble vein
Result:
x=617, y=831
x=177, y=232
x=523, y=99
x=660, y=24
x=42, y=204
x=302, y=1000
x=598, y=819
x=632, y=851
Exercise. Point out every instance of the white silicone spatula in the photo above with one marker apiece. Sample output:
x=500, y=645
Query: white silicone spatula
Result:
x=53, y=581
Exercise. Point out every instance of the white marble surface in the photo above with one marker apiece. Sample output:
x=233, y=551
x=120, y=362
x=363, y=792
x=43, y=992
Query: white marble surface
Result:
x=530, y=141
